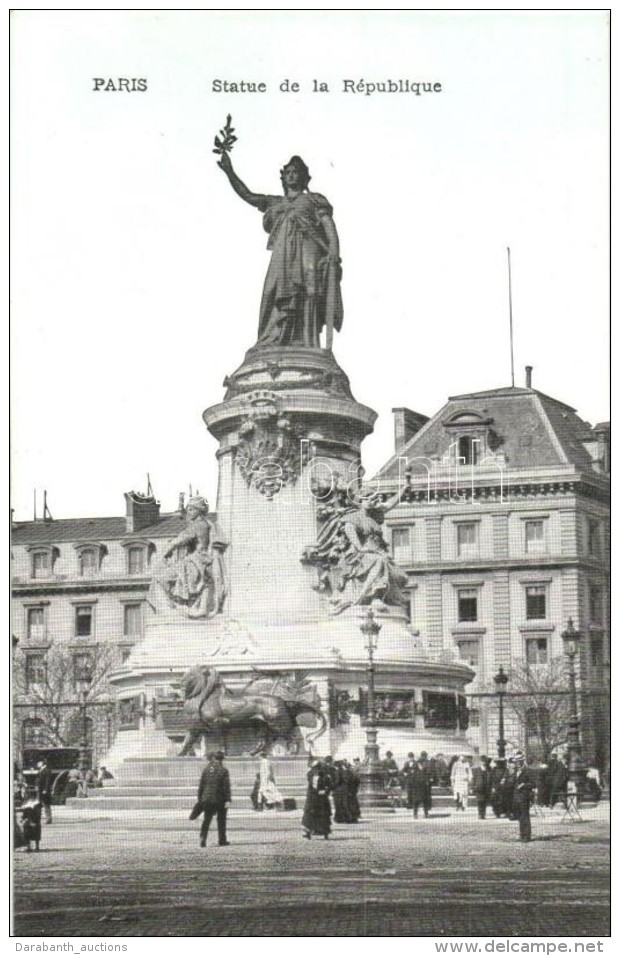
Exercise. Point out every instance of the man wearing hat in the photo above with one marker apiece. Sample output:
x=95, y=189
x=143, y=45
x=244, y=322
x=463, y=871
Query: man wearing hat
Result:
x=524, y=784
x=214, y=797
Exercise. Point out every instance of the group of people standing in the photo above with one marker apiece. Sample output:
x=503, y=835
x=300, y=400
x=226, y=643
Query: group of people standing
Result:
x=338, y=779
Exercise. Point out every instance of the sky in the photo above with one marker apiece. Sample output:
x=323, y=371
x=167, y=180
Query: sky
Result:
x=137, y=272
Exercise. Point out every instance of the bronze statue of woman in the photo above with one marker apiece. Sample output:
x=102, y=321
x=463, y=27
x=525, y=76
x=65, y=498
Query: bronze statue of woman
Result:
x=301, y=294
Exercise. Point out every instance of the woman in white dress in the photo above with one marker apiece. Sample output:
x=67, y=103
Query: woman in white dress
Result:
x=460, y=779
x=268, y=793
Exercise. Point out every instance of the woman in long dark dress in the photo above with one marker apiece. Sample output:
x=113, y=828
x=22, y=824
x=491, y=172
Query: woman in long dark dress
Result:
x=317, y=818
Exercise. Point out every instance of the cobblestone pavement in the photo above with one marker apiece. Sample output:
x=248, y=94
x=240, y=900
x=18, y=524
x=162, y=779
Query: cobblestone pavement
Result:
x=113, y=875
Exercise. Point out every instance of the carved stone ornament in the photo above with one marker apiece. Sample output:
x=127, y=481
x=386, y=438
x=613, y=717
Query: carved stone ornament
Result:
x=268, y=451
x=351, y=556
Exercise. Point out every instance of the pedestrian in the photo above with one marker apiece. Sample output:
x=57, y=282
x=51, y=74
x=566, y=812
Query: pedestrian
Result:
x=44, y=784
x=103, y=774
x=29, y=829
x=559, y=781
x=214, y=797
x=460, y=778
x=524, y=784
x=442, y=771
x=389, y=767
x=317, y=815
x=497, y=772
x=409, y=771
x=268, y=794
x=352, y=784
x=481, y=785
x=508, y=790
x=427, y=773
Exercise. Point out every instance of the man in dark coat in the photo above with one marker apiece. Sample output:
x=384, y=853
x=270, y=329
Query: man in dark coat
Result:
x=481, y=785
x=45, y=782
x=559, y=780
x=214, y=797
x=524, y=784
x=414, y=783
x=426, y=772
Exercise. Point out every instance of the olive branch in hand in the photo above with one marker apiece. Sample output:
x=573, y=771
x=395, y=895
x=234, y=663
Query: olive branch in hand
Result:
x=228, y=140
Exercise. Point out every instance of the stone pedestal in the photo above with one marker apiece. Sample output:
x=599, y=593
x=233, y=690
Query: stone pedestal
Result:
x=288, y=421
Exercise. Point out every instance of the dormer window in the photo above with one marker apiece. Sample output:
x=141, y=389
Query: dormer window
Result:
x=42, y=560
x=135, y=560
x=469, y=450
x=89, y=556
x=138, y=555
x=471, y=437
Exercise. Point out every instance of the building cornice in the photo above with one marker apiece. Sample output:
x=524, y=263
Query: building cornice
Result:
x=26, y=588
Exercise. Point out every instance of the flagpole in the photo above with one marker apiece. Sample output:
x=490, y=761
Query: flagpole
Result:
x=512, y=357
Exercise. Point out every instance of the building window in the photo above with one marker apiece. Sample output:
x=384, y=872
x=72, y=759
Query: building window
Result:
x=534, y=536
x=88, y=562
x=596, y=605
x=467, y=604
x=36, y=670
x=536, y=650
x=132, y=620
x=596, y=650
x=594, y=537
x=41, y=564
x=469, y=450
x=33, y=733
x=467, y=538
x=536, y=602
x=401, y=543
x=135, y=560
x=35, y=623
x=82, y=667
x=84, y=620
x=469, y=652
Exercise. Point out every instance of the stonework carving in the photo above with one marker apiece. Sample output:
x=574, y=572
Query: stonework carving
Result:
x=351, y=555
x=192, y=577
x=268, y=451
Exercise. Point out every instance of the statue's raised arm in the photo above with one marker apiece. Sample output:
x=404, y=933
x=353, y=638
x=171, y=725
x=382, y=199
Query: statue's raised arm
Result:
x=254, y=199
x=301, y=295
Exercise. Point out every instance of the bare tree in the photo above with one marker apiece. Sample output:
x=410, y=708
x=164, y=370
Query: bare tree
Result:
x=538, y=696
x=49, y=689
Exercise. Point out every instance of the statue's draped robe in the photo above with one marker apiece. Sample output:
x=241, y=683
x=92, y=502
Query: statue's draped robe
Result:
x=302, y=288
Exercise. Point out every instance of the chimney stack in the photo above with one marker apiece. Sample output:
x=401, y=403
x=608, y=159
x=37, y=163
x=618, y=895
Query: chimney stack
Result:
x=142, y=511
x=528, y=375
x=406, y=424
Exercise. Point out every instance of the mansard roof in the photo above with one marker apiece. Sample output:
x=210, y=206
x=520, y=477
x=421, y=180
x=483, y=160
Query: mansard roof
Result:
x=529, y=428
x=92, y=529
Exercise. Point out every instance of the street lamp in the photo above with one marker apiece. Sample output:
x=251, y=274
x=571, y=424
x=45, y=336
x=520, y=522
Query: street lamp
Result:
x=500, y=680
x=576, y=770
x=371, y=778
x=82, y=685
